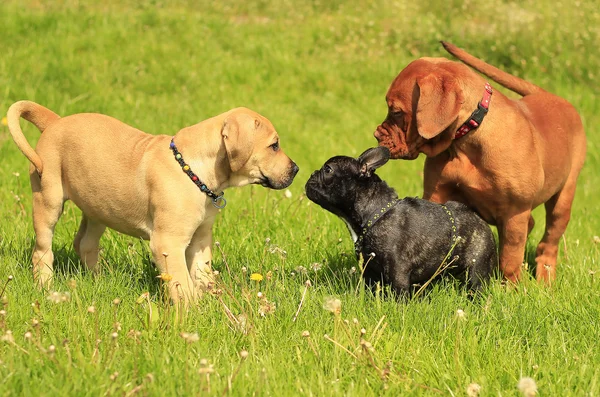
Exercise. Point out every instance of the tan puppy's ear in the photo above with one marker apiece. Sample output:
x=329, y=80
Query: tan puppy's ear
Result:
x=238, y=142
x=440, y=100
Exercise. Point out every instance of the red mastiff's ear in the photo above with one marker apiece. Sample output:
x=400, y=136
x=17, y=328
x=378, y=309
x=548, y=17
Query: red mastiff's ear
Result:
x=440, y=100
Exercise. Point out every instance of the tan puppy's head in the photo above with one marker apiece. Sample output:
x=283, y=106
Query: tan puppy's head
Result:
x=253, y=151
x=423, y=102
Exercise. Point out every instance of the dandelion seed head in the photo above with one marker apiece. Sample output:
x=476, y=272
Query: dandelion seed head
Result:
x=3, y=313
x=473, y=390
x=460, y=314
x=527, y=387
x=58, y=297
x=28, y=335
x=91, y=309
x=114, y=335
x=305, y=334
x=244, y=354
x=114, y=376
x=288, y=193
x=51, y=349
x=8, y=337
x=333, y=305
x=116, y=301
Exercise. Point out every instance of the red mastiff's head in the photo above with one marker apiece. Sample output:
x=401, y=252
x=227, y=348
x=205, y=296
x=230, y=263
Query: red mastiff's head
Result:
x=423, y=102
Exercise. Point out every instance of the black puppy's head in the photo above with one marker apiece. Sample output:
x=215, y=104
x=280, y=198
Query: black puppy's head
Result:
x=336, y=185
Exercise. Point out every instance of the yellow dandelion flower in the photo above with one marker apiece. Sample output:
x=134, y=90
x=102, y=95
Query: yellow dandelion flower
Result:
x=256, y=277
x=166, y=277
x=4, y=121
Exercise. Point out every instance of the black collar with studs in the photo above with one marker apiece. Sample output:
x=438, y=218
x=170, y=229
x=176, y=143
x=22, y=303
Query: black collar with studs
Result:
x=374, y=218
x=217, y=199
x=453, y=224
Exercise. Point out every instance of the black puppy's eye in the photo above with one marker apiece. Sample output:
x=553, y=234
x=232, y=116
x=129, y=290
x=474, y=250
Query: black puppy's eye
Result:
x=327, y=169
x=275, y=146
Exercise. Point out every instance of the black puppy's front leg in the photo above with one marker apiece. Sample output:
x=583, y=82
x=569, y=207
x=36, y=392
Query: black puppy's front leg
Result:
x=399, y=278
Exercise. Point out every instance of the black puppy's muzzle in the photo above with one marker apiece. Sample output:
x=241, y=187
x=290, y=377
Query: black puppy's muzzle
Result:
x=313, y=186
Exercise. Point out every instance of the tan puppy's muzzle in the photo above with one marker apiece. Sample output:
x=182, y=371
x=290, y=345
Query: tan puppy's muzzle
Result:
x=275, y=180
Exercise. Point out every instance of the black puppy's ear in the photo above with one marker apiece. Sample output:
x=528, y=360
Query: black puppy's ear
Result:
x=372, y=159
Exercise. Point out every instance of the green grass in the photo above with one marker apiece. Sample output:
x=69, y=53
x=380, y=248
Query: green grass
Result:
x=319, y=71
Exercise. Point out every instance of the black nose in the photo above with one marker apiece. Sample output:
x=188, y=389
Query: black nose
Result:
x=295, y=168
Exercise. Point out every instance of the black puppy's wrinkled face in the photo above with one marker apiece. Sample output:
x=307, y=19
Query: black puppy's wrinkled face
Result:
x=336, y=185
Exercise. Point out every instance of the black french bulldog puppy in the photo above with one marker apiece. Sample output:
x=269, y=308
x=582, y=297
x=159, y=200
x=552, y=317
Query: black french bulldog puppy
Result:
x=410, y=237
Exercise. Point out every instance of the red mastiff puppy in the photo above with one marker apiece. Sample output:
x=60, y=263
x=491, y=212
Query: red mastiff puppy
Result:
x=502, y=157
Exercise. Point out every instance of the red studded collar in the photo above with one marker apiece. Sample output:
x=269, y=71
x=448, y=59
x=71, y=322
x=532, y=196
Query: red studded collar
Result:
x=478, y=115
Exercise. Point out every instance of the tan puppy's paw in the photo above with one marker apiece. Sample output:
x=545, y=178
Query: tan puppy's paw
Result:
x=203, y=277
x=43, y=277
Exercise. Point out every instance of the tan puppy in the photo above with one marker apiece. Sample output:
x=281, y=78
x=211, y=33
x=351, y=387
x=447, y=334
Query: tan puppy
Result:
x=130, y=181
x=525, y=152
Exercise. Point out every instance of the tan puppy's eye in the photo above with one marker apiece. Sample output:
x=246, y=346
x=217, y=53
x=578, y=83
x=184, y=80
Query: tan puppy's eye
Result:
x=275, y=146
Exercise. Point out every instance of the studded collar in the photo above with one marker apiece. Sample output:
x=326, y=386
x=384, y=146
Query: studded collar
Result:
x=377, y=215
x=372, y=220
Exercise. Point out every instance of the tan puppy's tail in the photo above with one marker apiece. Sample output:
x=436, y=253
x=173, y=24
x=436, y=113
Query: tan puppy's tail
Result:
x=36, y=114
x=507, y=80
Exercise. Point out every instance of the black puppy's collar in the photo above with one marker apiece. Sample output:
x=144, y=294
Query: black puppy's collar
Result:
x=374, y=218
x=454, y=236
x=379, y=214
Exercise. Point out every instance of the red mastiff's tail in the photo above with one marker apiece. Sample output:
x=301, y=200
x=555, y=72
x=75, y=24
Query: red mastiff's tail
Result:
x=507, y=80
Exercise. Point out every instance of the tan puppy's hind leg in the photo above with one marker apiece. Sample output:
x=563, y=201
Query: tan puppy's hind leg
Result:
x=80, y=234
x=87, y=242
x=513, y=237
x=199, y=257
x=47, y=208
x=169, y=255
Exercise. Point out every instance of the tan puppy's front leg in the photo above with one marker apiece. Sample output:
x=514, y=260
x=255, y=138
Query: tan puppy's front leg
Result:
x=513, y=237
x=199, y=257
x=169, y=255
